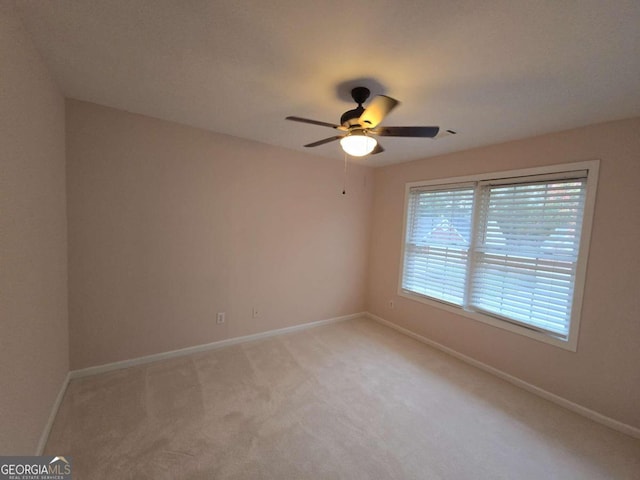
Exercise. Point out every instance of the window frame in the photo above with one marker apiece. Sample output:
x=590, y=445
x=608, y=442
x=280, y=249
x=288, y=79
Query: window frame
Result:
x=556, y=172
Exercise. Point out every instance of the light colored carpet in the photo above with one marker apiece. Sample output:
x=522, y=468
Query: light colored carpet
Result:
x=352, y=400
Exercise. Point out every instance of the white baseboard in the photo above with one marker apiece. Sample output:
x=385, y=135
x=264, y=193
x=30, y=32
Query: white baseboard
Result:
x=563, y=402
x=85, y=372
x=52, y=415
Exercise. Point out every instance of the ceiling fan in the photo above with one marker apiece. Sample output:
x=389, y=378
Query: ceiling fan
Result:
x=361, y=125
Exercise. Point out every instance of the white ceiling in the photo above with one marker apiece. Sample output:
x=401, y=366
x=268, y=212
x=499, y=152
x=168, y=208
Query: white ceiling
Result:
x=492, y=70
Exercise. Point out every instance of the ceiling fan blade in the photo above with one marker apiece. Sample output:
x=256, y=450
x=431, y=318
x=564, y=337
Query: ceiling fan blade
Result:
x=313, y=122
x=424, y=132
x=378, y=108
x=378, y=149
x=445, y=133
x=323, y=141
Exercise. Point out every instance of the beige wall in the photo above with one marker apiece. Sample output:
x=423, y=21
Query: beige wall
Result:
x=170, y=224
x=604, y=374
x=33, y=251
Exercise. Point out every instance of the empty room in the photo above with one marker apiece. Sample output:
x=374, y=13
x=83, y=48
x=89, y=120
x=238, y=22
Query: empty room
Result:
x=319, y=240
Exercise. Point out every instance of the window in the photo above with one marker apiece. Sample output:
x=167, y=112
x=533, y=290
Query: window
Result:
x=508, y=249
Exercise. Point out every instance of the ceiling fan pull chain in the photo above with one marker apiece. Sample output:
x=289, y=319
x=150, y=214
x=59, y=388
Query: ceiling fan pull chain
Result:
x=344, y=181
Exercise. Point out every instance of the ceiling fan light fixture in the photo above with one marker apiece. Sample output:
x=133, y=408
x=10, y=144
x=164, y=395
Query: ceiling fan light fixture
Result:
x=357, y=144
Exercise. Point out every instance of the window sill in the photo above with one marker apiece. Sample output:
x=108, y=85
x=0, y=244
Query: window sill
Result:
x=569, y=344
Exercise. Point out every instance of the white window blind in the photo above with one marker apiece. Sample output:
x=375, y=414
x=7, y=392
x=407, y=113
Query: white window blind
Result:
x=526, y=253
x=438, y=238
x=501, y=250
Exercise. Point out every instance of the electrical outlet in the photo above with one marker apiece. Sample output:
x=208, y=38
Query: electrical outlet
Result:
x=255, y=313
x=220, y=318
